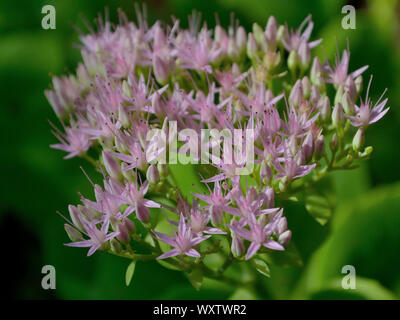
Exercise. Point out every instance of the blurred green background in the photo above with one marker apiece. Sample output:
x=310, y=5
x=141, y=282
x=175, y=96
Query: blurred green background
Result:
x=36, y=181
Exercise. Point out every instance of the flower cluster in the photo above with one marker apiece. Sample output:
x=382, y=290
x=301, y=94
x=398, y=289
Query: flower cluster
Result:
x=304, y=113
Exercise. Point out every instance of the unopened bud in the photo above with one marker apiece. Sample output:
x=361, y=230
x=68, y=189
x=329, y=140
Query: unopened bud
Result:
x=308, y=147
x=123, y=234
x=72, y=233
x=152, y=175
x=319, y=147
x=348, y=104
x=305, y=82
x=333, y=144
x=281, y=226
x=293, y=61
x=161, y=70
x=337, y=115
x=266, y=173
x=296, y=95
x=358, y=139
x=315, y=95
x=258, y=33
x=281, y=34
x=252, y=47
x=115, y=245
x=270, y=32
x=112, y=166
x=217, y=216
x=304, y=55
x=324, y=108
x=123, y=116
x=241, y=38
x=129, y=225
x=142, y=212
x=237, y=246
x=285, y=237
x=359, y=84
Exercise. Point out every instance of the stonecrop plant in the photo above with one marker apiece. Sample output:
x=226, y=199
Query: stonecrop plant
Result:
x=301, y=118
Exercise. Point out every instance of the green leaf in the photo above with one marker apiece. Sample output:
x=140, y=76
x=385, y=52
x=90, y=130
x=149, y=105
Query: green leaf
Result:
x=165, y=264
x=196, y=278
x=365, y=235
x=319, y=207
x=129, y=273
x=262, y=267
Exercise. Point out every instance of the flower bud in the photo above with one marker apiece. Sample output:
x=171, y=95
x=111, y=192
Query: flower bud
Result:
x=315, y=95
x=333, y=144
x=319, y=147
x=115, y=245
x=252, y=47
x=348, y=104
x=266, y=173
x=350, y=87
x=152, y=175
x=316, y=73
x=72, y=233
x=281, y=34
x=293, y=61
x=129, y=225
x=126, y=90
x=304, y=55
x=281, y=226
x=142, y=212
x=241, y=38
x=233, y=51
x=305, y=82
x=283, y=184
x=217, y=216
x=75, y=216
x=269, y=198
x=296, y=95
x=308, y=147
x=285, y=237
x=358, y=140
x=337, y=115
x=339, y=95
x=220, y=34
x=272, y=59
x=324, y=109
x=258, y=33
x=270, y=33
x=359, y=84
x=112, y=166
x=123, y=234
x=237, y=246
x=161, y=70
x=123, y=116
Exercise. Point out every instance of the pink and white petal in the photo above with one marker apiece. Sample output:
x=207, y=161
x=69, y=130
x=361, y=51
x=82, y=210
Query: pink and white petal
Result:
x=165, y=238
x=214, y=231
x=169, y=254
x=253, y=248
x=79, y=244
x=377, y=117
x=197, y=240
x=218, y=177
x=271, y=244
x=150, y=203
x=93, y=249
x=193, y=253
x=359, y=71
